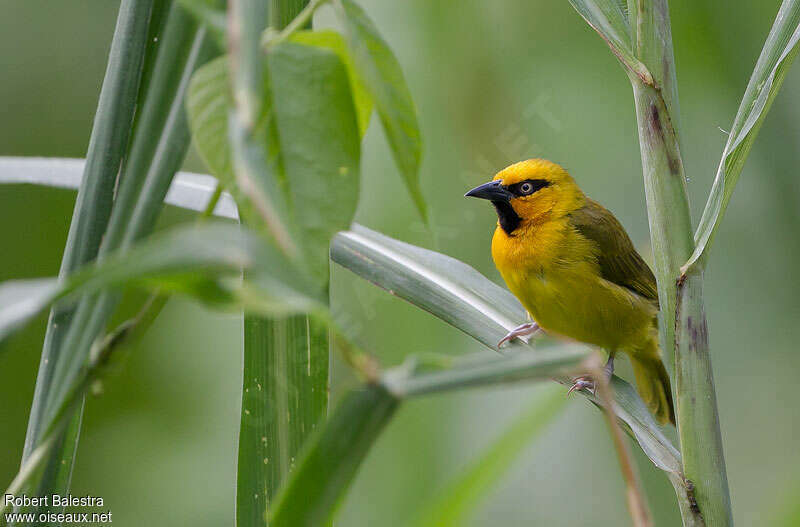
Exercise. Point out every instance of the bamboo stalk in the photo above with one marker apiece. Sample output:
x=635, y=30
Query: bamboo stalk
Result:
x=91, y=214
x=671, y=234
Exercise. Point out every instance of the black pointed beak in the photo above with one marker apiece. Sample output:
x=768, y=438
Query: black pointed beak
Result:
x=493, y=191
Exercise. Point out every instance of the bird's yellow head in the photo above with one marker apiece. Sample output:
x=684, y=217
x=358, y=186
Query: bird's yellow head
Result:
x=530, y=192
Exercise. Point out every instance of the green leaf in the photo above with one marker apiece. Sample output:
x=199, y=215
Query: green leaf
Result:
x=128, y=62
x=462, y=297
x=481, y=370
x=284, y=398
x=318, y=144
x=610, y=19
x=777, y=55
x=208, y=103
x=188, y=191
x=335, y=42
x=311, y=144
x=453, y=505
x=202, y=261
x=331, y=459
x=383, y=77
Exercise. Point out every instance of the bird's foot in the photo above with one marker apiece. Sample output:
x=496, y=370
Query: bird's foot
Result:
x=582, y=383
x=520, y=331
x=585, y=382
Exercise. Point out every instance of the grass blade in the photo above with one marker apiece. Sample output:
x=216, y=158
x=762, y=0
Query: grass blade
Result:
x=188, y=190
x=481, y=370
x=453, y=505
x=332, y=457
x=777, y=55
x=109, y=138
x=156, y=150
x=284, y=398
x=202, y=261
x=383, y=77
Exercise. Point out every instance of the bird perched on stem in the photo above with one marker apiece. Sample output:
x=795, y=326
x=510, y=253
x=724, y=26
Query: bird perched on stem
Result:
x=574, y=268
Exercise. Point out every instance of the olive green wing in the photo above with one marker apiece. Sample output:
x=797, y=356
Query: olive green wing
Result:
x=619, y=262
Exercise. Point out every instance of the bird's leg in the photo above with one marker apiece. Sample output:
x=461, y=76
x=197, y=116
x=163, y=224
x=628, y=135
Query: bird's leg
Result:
x=520, y=331
x=608, y=369
x=586, y=382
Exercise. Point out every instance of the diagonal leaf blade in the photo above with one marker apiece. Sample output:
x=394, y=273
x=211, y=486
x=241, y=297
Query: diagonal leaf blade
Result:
x=777, y=55
x=611, y=21
x=188, y=190
x=202, y=261
x=461, y=296
x=383, y=77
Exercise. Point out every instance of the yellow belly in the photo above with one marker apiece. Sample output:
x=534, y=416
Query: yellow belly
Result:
x=568, y=297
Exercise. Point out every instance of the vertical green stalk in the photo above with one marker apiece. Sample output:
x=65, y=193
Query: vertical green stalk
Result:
x=698, y=419
x=109, y=138
x=163, y=130
x=285, y=376
x=155, y=152
x=683, y=326
x=284, y=397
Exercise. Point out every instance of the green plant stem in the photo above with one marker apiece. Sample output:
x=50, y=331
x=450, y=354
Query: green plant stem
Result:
x=671, y=234
x=667, y=202
x=301, y=21
x=109, y=138
x=140, y=208
x=696, y=405
x=161, y=108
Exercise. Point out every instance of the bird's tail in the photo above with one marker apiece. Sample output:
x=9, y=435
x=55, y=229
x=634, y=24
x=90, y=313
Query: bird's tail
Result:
x=652, y=382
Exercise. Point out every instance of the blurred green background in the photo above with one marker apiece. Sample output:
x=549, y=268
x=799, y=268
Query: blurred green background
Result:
x=494, y=82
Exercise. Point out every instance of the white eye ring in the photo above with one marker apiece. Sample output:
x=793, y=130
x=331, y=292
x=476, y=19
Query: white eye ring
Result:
x=526, y=188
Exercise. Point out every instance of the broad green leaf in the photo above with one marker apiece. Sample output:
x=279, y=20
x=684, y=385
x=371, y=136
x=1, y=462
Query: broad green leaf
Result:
x=459, y=295
x=452, y=506
x=318, y=144
x=310, y=147
x=610, y=19
x=202, y=261
x=331, y=459
x=335, y=42
x=777, y=55
x=383, y=77
x=208, y=103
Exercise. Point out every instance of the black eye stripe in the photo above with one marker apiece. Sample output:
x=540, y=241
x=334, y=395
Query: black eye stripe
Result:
x=536, y=184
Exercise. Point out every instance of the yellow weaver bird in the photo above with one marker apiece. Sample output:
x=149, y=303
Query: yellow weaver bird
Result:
x=574, y=268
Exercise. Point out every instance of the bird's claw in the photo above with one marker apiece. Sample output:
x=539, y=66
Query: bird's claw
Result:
x=582, y=383
x=520, y=331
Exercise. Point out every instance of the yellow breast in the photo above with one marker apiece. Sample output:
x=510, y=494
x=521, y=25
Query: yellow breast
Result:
x=553, y=271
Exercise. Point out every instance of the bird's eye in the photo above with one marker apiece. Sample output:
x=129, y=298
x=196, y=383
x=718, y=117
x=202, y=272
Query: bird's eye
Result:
x=526, y=188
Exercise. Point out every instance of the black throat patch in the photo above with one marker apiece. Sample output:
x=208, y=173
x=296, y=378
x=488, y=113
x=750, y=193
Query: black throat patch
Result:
x=509, y=220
